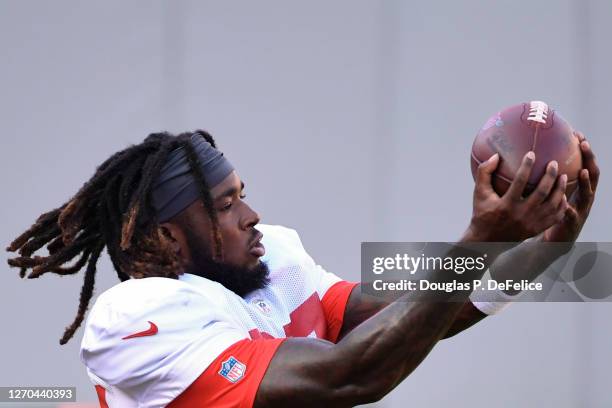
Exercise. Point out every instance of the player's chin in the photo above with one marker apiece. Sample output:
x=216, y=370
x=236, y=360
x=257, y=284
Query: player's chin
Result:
x=253, y=263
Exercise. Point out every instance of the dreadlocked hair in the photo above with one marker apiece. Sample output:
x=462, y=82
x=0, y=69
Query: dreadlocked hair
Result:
x=113, y=210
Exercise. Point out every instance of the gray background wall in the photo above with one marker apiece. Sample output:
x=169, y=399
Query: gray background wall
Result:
x=348, y=120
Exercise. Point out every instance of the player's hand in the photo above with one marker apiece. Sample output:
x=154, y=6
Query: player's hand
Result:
x=577, y=212
x=512, y=218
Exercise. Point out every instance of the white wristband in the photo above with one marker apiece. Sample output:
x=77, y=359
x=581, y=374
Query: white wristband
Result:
x=491, y=302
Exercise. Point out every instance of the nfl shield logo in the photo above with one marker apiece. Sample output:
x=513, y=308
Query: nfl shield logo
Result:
x=262, y=305
x=232, y=369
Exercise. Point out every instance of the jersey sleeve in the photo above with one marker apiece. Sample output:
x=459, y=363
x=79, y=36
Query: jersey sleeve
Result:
x=333, y=292
x=334, y=304
x=151, y=338
x=232, y=379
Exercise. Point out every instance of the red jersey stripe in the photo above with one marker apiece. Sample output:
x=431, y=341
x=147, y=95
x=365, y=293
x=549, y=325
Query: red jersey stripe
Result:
x=232, y=379
x=334, y=304
x=101, y=396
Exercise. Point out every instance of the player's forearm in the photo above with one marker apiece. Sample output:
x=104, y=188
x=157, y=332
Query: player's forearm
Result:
x=387, y=347
x=361, y=307
x=527, y=260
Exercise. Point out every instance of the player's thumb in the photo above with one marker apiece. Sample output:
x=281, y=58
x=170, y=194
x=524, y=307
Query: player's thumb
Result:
x=485, y=172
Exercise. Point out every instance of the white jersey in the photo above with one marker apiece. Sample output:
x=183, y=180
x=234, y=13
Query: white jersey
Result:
x=147, y=340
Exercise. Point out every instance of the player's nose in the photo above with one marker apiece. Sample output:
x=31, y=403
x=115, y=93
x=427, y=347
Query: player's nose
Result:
x=250, y=217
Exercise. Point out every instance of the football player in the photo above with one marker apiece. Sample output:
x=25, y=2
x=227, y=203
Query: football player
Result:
x=217, y=310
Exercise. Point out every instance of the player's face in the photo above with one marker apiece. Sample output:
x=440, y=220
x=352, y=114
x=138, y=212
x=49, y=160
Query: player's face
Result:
x=241, y=241
x=240, y=269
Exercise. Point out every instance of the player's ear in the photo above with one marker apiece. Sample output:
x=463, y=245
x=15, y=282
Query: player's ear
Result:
x=173, y=234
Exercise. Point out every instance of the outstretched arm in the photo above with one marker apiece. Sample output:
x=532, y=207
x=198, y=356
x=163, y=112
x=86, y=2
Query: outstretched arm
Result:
x=529, y=256
x=380, y=352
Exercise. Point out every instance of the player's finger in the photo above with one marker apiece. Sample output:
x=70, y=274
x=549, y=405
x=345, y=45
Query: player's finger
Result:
x=560, y=214
x=579, y=135
x=542, y=191
x=585, y=197
x=515, y=191
x=563, y=206
x=484, y=174
x=590, y=163
x=571, y=215
x=557, y=196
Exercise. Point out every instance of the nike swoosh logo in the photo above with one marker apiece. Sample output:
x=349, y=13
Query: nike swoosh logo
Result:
x=150, y=332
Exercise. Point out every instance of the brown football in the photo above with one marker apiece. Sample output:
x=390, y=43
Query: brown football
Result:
x=514, y=131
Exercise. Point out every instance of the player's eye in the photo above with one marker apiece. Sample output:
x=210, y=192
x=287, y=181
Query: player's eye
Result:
x=226, y=206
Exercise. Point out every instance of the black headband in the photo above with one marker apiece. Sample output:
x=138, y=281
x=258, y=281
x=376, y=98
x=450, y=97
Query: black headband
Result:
x=175, y=188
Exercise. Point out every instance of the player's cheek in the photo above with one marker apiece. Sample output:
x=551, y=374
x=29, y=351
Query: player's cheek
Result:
x=237, y=251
